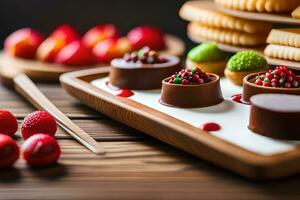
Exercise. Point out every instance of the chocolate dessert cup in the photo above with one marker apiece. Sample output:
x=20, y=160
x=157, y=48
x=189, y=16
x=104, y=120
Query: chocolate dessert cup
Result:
x=192, y=96
x=275, y=115
x=141, y=76
x=250, y=88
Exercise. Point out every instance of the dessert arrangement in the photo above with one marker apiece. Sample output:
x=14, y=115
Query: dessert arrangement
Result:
x=202, y=112
x=42, y=58
x=40, y=147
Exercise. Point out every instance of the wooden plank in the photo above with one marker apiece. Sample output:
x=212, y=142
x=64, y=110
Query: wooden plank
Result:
x=135, y=170
x=10, y=100
x=101, y=130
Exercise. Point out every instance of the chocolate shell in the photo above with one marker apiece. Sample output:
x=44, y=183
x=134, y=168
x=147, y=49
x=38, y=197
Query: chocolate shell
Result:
x=138, y=76
x=192, y=96
x=275, y=115
x=250, y=88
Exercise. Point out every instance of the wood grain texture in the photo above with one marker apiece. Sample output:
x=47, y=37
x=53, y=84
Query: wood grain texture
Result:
x=135, y=170
x=70, y=106
x=179, y=133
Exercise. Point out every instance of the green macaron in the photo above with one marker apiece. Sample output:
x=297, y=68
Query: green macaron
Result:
x=246, y=61
x=206, y=52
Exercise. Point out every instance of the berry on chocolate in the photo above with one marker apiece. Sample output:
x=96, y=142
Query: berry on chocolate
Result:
x=281, y=76
x=8, y=123
x=190, y=77
x=9, y=151
x=41, y=150
x=38, y=122
x=144, y=55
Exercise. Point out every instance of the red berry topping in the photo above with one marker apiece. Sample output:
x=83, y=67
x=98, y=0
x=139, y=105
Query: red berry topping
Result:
x=281, y=76
x=144, y=55
x=41, y=150
x=190, y=77
x=259, y=82
x=8, y=123
x=9, y=151
x=38, y=122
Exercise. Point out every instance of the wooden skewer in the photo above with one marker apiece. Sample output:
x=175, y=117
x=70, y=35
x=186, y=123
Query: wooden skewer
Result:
x=29, y=90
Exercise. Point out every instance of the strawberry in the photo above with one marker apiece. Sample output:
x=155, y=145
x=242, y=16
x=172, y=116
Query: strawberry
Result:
x=8, y=123
x=75, y=54
x=38, y=122
x=41, y=150
x=147, y=36
x=9, y=151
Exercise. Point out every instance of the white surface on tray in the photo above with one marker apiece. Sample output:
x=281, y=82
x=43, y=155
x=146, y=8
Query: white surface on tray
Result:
x=233, y=118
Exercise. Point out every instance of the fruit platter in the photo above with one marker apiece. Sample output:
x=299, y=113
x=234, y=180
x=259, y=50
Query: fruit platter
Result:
x=45, y=58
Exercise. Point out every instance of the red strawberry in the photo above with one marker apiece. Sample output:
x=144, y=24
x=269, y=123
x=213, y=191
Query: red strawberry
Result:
x=38, y=122
x=8, y=123
x=41, y=150
x=65, y=32
x=146, y=36
x=9, y=151
x=75, y=54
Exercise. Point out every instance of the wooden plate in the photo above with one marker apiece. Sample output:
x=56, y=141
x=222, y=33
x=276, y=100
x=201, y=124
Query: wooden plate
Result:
x=268, y=17
x=45, y=72
x=183, y=135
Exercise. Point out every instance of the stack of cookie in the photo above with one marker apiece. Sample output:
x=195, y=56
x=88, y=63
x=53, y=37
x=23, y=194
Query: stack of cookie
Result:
x=209, y=25
x=284, y=44
x=267, y=6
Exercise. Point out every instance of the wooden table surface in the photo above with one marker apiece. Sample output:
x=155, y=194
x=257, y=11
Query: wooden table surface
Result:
x=134, y=167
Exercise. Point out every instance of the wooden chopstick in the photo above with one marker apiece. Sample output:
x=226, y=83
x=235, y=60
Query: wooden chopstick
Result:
x=29, y=90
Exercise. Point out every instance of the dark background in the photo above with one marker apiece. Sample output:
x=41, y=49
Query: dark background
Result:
x=45, y=15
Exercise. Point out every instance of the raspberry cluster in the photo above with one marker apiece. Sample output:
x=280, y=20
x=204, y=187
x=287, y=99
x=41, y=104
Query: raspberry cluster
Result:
x=190, y=77
x=281, y=76
x=144, y=55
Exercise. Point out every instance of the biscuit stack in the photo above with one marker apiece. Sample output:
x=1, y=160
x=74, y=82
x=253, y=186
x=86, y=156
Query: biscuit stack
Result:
x=284, y=44
x=209, y=25
x=267, y=6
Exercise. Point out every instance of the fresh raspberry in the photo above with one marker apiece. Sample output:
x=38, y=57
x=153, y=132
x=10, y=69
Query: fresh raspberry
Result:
x=8, y=123
x=9, y=151
x=38, y=122
x=41, y=150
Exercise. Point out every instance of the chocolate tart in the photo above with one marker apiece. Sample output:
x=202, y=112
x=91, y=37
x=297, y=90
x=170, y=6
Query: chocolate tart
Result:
x=192, y=96
x=250, y=88
x=139, y=76
x=275, y=115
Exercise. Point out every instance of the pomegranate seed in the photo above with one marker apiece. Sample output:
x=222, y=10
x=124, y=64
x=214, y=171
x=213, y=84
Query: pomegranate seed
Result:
x=290, y=78
x=295, y=84
x=287, y=85
x=258, y=82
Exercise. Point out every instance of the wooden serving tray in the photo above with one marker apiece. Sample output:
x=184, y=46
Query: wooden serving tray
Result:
x=247, y=154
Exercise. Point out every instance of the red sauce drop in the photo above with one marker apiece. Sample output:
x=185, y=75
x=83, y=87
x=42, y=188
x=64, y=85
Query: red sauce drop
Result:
x=238, y=99
x=125, y=93
x=122, y=93
x=211, y=126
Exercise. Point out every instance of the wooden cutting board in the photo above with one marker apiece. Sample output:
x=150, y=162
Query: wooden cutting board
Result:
x=247, y=154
